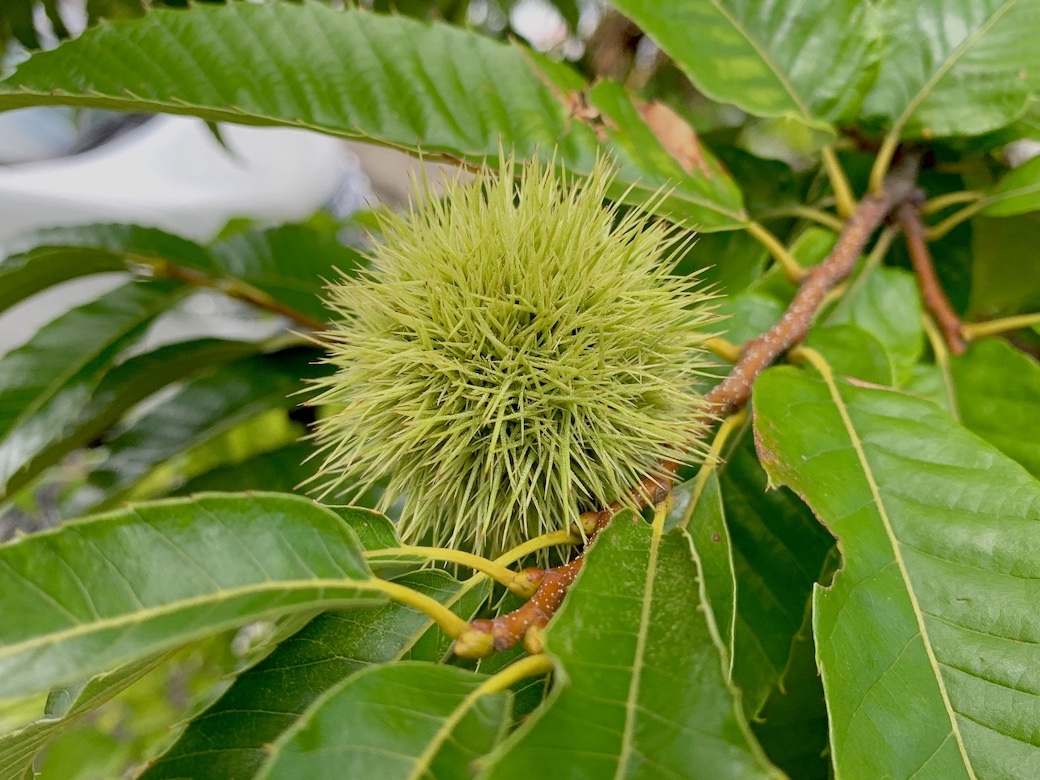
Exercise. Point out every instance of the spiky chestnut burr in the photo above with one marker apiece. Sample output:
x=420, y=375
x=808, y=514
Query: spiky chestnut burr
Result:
x=519, y=353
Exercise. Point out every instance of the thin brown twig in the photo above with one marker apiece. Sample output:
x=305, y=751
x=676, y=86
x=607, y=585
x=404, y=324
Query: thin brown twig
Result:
x=914, y=233
x=233, y=288
x=725, y=398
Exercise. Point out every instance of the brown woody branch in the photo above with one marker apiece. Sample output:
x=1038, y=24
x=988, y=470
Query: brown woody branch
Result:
x=932, y=294
x=731, y=394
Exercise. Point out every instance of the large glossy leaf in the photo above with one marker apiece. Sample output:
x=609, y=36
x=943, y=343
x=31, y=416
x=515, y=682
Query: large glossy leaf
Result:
x=66, y=707
x=641, y=689
x=229, y=741
x=998, y=397
x=927, y=638
x=759, y=592
x=809, y=59
x=696, y=191
x=348, y=73
x=100, y=592
x=705, y=521
x=199, y=411
x=954, y=68
x=406, y=720
x=47, y=383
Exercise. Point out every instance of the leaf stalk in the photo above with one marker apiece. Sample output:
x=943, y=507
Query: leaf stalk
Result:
x=978, y=330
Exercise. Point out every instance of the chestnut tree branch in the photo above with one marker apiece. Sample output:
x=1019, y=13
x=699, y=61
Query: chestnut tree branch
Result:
x=914, y=233
x=724, y=399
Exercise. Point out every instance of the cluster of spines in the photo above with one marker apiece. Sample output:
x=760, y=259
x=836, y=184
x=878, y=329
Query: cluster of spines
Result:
x=518, y=354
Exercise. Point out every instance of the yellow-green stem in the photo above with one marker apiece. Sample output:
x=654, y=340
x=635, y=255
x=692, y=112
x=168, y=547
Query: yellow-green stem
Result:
x=883, y=161
x=521, y=670
x=977, y=330
x=942, y=362
x=730, y=424
x=816, y=360
x=818, y=216
x=941, y=202
x=792, y=270
x=450, y=623
x=496, y=571
x=661, y=513
x=531, y=666
x=956, y=218
x=723, y=349
x=551, y=539
x=834, y=294
x=843, y=195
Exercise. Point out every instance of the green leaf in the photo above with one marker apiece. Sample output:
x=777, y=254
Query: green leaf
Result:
x=812, y=60
x=1005, y=277
x=41, y=259
x=374, y=530
x=230, y=740
x=748, y=315
x=853, y=352
x=406, y=720
x=640, y=690
x=706, y=524
x=1017, y=193
x=65, y=707
x=47, y=383
x=931, y=382
x=281, y=470
x=779, y=552
x=927, y=637
x=126, y=385
x=792, y=725
x=886, y=304
x=697, y=193
x=290, y=263
x=954, y=67
x=998, y=397
x=200, y=410
x=97, y=593
x=23, y=275
x=731, y=261
x=406, y=84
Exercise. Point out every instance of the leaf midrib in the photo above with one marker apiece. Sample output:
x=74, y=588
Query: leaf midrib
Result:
x=946, y=65
x=632, y=702
x=150, y=613
x=301, y=719
x=237, y=114
x=757, y=46
x=424, y=762
x=857, y=445
x=1000, y=197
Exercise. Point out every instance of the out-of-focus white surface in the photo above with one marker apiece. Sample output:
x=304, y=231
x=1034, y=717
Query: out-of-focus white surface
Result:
x=172, y=173
x=169, y=173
